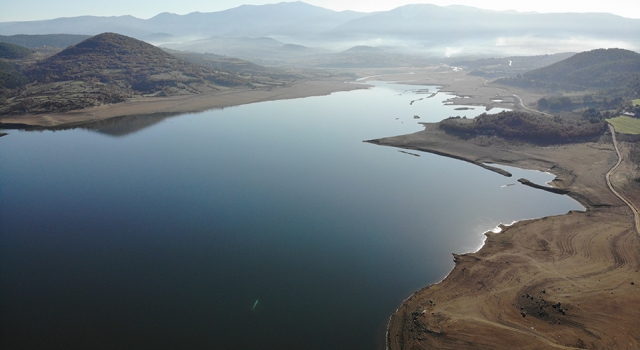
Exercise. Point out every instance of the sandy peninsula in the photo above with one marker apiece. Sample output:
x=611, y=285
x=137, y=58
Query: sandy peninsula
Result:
x=178, y=104
x=569, y=282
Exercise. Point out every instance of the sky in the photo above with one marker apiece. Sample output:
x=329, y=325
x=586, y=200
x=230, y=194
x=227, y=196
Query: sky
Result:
x=28, y=10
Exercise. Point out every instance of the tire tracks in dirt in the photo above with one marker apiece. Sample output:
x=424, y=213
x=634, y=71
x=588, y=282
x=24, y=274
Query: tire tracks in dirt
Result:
x=634, y=210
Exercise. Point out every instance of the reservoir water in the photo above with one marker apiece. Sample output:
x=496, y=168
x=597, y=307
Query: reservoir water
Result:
x=264, y=226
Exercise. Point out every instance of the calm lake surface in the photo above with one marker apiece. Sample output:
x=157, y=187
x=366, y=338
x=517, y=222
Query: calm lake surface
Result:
x=264, y=226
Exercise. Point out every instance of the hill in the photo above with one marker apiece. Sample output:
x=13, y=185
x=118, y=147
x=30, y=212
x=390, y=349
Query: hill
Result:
x=596, y=69
x=110, y=68
x=59, y=41
x=509, y=66
x=12, y=51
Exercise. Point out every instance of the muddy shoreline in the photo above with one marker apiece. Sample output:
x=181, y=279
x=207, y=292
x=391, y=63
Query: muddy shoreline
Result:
x=163, y=106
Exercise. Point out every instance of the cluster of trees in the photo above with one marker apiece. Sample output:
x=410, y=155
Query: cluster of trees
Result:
x=566, y=103
x=527, y=127
x=10, y=76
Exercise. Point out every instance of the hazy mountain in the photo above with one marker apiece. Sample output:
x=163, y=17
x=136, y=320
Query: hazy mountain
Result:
x=60, y=41
x=429, y=29
x=86, y=25
x=246, y=20
x=432, y=26
x=433, y=23
x=260, y=50
x=508, y=66
x=596, y=69
x=311, y=30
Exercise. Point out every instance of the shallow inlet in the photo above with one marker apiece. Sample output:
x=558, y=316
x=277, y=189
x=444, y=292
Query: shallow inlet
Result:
x=169, y=235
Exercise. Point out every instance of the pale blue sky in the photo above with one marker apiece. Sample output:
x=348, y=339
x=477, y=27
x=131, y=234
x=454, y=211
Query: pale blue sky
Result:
x=24, y=10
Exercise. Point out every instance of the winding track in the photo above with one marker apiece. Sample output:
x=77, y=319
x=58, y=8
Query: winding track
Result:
x=636, y=213
x=519, y=100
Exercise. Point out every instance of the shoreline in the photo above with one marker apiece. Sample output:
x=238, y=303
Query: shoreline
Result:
x=506, y=295
x=175, y=105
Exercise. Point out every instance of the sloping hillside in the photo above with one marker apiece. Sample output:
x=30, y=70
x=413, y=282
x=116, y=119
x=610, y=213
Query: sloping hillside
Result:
x=596, y=69
x=127, y=63
x=12, y=51
x=110, y=68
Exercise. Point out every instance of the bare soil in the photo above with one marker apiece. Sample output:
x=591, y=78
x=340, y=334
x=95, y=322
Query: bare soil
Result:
x=568, y=281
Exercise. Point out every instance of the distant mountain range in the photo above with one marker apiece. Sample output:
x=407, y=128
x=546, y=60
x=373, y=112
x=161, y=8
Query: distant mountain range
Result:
x=451, y=30
x=59, y=41
x=246, y=20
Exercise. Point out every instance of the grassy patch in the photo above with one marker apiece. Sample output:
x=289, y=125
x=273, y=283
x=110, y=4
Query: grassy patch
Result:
x=636, y=102
x=626, y=125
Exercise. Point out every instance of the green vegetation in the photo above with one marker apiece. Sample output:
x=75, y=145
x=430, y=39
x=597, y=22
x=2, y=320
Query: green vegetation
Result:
x=60, y=41
x=636, y=102
x=12, y=51
x=526, y=127
x=10, y=76
x=626, y=125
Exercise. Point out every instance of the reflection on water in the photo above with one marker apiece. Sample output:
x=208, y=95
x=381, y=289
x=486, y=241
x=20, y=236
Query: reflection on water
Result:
x=264, y=226
x=122, y=126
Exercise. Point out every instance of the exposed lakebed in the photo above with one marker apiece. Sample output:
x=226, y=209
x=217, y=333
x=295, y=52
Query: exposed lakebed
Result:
x=264, y=226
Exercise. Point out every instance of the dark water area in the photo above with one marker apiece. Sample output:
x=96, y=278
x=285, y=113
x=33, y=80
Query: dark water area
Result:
x=264, y=226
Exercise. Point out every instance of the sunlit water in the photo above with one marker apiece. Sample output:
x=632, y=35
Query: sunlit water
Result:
x=265, y=226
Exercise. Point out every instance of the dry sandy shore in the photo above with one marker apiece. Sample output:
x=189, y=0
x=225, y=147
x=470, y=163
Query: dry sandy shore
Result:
x=180, y=104
x=569, y=281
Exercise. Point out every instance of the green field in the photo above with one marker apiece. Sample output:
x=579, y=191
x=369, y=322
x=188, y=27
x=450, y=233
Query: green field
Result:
x=626, y=125
x=636, y=102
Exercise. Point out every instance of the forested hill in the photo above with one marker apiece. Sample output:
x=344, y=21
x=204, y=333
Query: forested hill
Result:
x=106, y=68
x=596, y=69
x=127, y=62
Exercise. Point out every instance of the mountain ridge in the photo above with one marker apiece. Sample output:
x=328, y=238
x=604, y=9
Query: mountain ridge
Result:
x=595, y=69
x=416, y=27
